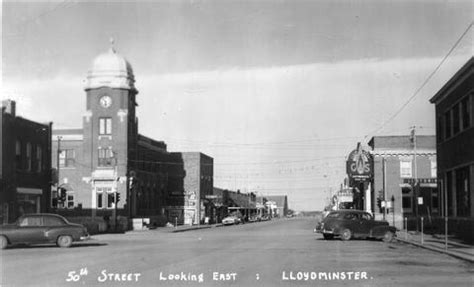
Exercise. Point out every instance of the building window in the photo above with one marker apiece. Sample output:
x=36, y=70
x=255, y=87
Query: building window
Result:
x=18, y=154
x=447, y=124
x=70, y=201
x=449, y=192
x=407, y=200
x=99, y=199
x=434, y=200
x=405, y=168
x=105, y=126
x=110, y=200
x=456, y=119
x=440, y=129
x=103, y=197
x=433, y=167
x=67, y=158
x=466, y=112
x=39, y=159
x=462, y=192
x=106, y=157
x=28, y=156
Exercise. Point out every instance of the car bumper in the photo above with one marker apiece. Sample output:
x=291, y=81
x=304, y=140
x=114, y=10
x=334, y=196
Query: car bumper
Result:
x=85, y=238
x=323, y=231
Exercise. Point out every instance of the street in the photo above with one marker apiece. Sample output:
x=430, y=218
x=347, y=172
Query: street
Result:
x=282, y=252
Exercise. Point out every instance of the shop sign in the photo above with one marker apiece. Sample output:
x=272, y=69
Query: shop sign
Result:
x=345, y=196
x=359, y=164
x=420, y=180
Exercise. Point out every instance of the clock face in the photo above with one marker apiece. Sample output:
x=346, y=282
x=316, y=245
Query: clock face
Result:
x=105, y=101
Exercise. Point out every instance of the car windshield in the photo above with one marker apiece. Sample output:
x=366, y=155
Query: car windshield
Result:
x=333, y=215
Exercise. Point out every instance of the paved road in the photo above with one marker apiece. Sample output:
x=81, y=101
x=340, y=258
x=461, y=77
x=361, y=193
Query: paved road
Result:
x=274, y=253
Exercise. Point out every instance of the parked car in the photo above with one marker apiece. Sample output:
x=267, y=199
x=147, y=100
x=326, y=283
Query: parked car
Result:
x=42, y=228
x=230, y=220
x=254, y=218
x=265, y=218
x=349, y=224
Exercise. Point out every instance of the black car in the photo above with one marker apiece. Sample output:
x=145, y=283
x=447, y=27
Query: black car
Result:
x=42, y=228
x=349, y=224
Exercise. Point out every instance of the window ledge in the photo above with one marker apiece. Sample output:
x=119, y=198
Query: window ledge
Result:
x=105, y=137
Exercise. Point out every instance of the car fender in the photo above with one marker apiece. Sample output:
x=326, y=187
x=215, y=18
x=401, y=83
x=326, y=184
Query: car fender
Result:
x=6, y=236
x=380, y=230
x=53, y=233
x=339, y=228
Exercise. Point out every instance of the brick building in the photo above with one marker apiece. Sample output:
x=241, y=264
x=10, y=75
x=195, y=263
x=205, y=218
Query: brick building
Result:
x=399, y=163
x=107, y=166
x=455, y=147
x=455, y=143
x=25, y=166
x=192, y=181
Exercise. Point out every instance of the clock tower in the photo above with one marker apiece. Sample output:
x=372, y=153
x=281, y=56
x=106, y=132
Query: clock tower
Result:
x=109, y=128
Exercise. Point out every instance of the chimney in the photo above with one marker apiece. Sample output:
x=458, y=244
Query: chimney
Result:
x=10, y=107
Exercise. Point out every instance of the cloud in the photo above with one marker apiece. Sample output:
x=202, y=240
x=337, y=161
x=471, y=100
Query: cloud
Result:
x=60, y=99
x=350, y=97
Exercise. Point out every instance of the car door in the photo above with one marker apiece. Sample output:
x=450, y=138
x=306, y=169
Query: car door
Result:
x=366, y=223
x=54, y=226
x=30, y=229
x=351, y=221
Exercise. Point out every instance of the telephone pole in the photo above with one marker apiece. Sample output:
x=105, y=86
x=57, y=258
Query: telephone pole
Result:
x=115, y=190
x=58, y=155
x=415, y=173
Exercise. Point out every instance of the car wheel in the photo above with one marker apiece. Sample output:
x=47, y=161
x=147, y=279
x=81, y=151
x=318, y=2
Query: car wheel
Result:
x=328, y=236
x=388, y=236
x=64, y=241
x=3, y=242
x=346, y=234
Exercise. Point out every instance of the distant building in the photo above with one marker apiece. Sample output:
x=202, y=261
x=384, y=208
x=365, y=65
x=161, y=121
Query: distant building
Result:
x=25, y=166
x=278, y=205
x=455, y=143
x=405, y=171
x=226, y=202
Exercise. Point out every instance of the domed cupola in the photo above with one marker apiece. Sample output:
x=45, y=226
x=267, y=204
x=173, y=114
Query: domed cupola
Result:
x=110, y=70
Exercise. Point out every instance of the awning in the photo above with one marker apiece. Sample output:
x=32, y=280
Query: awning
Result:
x=27, y=190
x=432, y=185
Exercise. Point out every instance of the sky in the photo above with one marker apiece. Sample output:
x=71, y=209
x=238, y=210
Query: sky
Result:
x=277, y=92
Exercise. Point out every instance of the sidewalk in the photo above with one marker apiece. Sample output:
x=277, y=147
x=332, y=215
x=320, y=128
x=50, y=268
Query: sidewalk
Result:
x=179, y=228
x=437, y=243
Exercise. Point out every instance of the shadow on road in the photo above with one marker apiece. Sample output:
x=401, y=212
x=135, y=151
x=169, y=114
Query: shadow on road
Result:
x=79, y=245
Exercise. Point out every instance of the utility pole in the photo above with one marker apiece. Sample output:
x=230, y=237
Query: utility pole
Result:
x=115, y=190
x=415, y=174
x=384, y=173
x=57, y=168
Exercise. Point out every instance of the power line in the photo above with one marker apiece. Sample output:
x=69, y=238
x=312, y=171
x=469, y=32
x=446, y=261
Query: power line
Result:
x=424, y=83
x=302, y=141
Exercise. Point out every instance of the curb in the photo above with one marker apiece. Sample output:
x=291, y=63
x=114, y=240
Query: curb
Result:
x=440, y=250
x=190, y=228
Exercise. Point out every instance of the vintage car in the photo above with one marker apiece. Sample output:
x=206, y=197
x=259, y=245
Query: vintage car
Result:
x=349, y=224
x=230, y=220
x=40, y=229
